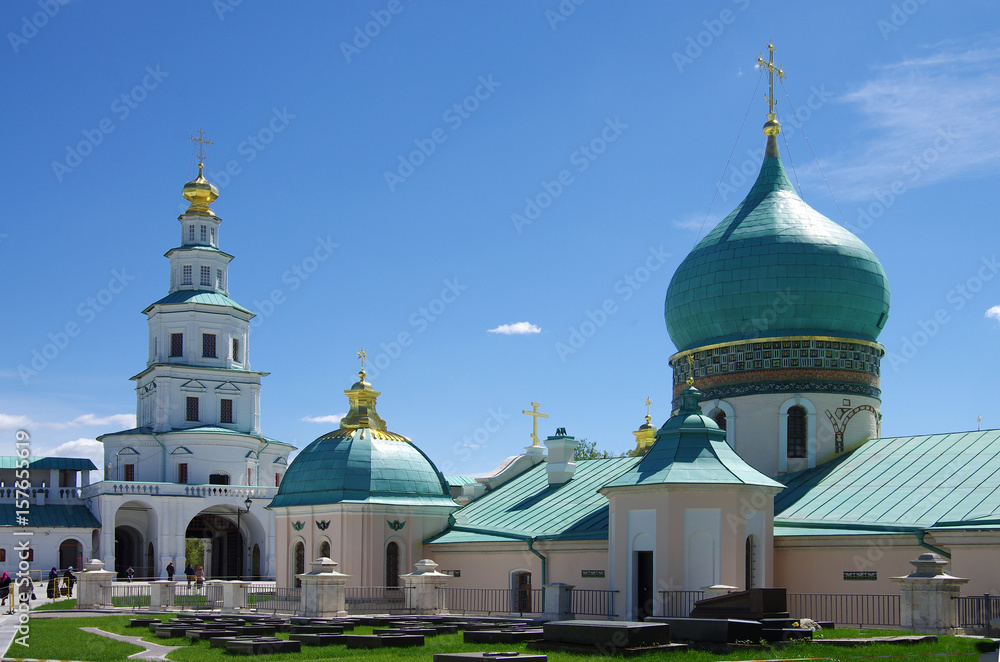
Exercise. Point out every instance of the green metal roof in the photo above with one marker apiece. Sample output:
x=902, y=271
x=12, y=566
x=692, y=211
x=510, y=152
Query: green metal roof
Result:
x=201, y=429
x=457, y=481
x=528, y=507
x=777, y=261
x=43, y=463
x=691, y=449
x=199, y=296
x=52, y=515
x=356, y=466
x=901, y=482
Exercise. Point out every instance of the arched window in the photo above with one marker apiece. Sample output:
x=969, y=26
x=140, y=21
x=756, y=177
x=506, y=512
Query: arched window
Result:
x=324, y=549
x=392, y=564
x=720, y=418
x=300, y=562
x=796, y=431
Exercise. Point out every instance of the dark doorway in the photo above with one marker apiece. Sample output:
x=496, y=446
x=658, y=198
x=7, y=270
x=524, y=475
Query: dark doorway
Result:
x=522, y=592
x=127, y=549
x=71, y=554
x=255, y=562
x=750, y=580
x=300, y=562
x=225, y=541
x=643, y=585
x=392, y=564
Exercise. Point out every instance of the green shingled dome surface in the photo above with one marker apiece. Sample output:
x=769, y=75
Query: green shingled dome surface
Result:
x=360, y=469
x=776, y=267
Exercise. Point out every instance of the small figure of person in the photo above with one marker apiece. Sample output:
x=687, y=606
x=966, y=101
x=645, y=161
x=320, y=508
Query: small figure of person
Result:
x=69, y=579
x=50, y=588
x=5, y=591
x=199, y=576
x=129, y=574
x=189, y=571
x=170, y=571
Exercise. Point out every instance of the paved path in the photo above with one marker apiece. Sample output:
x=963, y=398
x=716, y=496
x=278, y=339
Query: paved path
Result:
x=152, y=652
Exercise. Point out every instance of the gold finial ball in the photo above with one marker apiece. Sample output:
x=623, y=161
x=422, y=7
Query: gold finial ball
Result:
x=200, y=193
x=772, y=126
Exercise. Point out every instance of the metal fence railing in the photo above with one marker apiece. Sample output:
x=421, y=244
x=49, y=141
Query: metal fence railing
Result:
x=264, y=596
x=593, y=602
x=127, y=594
x=377, y=599
x=493, y=600
x=846, y=610
x=678, y=604
x=976, y=611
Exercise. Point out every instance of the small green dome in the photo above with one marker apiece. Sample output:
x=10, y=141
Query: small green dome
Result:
x=362, y=465
x=776, y=267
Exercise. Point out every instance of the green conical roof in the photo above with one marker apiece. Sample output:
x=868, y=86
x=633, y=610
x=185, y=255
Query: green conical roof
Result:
x=776, y=267
x=690, y=449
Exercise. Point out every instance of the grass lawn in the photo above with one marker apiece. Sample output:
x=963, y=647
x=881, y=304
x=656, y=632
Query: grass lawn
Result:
x=62, y=639
x=58, y=604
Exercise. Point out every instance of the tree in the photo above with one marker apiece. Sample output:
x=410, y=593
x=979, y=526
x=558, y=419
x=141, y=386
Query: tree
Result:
x=194, y=552
x=588, y=450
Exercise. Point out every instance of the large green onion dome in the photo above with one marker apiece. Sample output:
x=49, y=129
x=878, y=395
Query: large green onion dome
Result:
x=776, y=267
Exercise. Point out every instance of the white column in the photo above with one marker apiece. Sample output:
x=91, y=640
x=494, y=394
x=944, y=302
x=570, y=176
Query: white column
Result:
x=324, y=590
x=422, y=588
x=926, y=602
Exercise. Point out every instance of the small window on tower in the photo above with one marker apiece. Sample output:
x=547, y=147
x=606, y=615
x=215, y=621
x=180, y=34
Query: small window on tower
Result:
x=218, y=279
x=191, y=234
x=186, y=274
x=796, y=432
x=249, y=476
x=192, y=409
x=236, y=349
x=206, y=275
x=176, y=344
x=208, y=345
x=213, y=236
x=204, y=233
x=226, y=411
x=182, y=472
x=277, y=480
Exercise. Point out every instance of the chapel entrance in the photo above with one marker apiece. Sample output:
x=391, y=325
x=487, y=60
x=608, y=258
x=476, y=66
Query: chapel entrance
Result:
x=643, y=585
x=223, y=544
x=522, y=592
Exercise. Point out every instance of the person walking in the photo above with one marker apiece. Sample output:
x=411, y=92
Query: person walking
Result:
x=53, y=585
x=199, y=576
x=170, y=571
x=189, y=571
x=129, y=574
x=69, y=579
x=5, y=592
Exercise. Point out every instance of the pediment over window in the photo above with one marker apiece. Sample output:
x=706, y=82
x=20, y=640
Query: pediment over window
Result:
x=193, y=386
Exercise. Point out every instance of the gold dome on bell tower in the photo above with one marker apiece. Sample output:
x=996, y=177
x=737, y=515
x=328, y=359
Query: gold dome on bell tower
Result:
x=200, y=193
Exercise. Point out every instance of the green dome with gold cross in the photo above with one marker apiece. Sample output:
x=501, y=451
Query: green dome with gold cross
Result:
x=775, y=267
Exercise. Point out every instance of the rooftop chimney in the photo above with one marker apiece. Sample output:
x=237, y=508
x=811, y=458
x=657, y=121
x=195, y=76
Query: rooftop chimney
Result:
x=560, y=460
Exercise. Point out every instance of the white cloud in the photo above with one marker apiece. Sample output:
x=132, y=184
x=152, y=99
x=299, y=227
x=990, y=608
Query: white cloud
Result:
x=332, y=418
x=114, y=422
x=84, y=447
x=929, y=119
x=993, y=313
x=700, y=223
x=516, y=329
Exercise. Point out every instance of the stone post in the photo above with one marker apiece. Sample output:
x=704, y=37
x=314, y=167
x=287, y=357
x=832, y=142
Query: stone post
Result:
x=423, y=589
x=161, y=594
x=925, y=601
x=557, y=599
x=717, y=590
x=234, y=596
x=90, y=585
x=324, y=590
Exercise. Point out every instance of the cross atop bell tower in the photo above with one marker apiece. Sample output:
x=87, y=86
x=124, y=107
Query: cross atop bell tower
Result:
x=202, y=141
x=772, y=127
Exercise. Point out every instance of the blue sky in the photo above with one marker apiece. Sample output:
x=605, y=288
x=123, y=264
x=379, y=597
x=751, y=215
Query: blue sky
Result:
x=407, y=176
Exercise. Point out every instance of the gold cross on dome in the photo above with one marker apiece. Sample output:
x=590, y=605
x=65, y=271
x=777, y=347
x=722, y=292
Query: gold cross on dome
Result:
x=362, y=355
x=771, y=70
x=202, y=141
x=690, y=362
x=535, y=414
x=649, y=403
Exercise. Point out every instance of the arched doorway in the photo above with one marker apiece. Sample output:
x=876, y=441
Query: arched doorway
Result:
x=520, y=585
x=255, y=562
x=128, y=547
x=392, y=564
x=70, y=554
x=223, y=545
